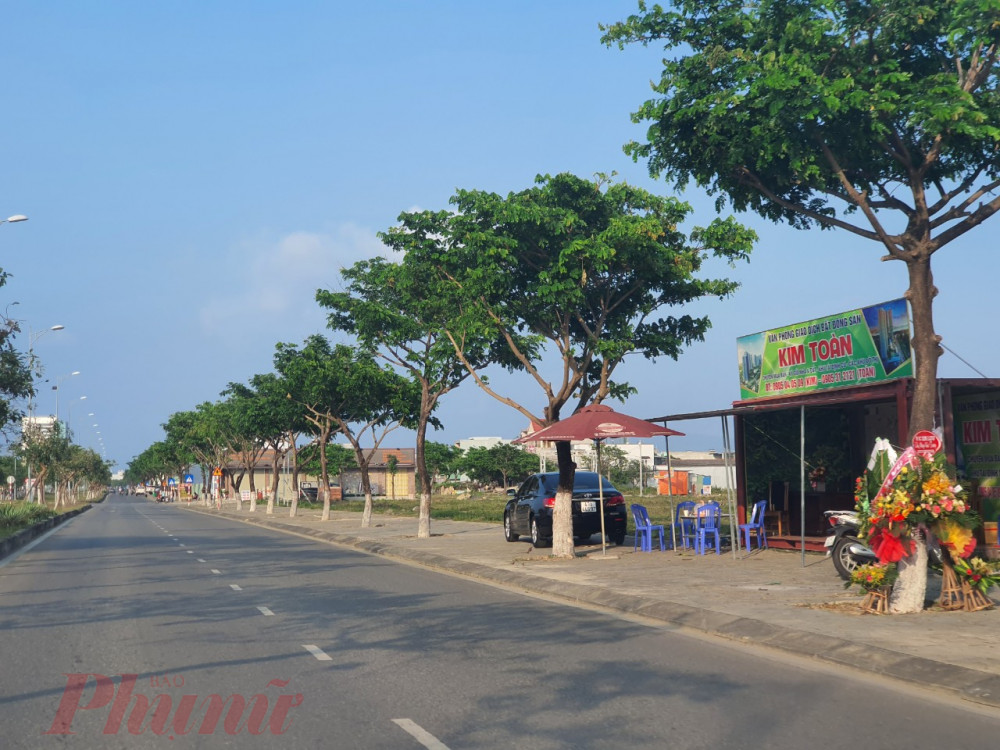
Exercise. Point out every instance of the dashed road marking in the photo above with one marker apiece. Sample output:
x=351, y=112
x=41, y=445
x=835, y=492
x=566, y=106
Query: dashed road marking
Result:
x=266, y=612
x=235, y=587
x=200, y=560
x=317, y=652
x=420, y=734
x=217, y=572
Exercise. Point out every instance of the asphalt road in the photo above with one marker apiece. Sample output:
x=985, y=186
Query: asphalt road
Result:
x=337, y=649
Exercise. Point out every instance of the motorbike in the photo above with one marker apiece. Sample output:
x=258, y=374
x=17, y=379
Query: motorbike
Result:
x=849, y=551
x=843, y=545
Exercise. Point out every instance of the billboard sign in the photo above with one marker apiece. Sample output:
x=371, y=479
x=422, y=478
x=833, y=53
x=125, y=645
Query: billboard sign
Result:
x=977, y=447
x=857, y=347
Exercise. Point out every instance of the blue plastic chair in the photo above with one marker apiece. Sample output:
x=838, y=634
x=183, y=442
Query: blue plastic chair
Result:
x=644, y=529
x=707, y=523
x=684, y=526
x=756, y=524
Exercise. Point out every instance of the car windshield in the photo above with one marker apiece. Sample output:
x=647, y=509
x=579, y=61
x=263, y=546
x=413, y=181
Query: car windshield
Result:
x=584, y=480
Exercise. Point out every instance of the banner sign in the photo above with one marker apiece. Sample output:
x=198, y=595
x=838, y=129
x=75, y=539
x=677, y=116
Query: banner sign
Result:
x=867, y=345
x=977, y=446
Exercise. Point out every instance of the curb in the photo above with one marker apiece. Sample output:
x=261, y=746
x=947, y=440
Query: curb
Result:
x=973, y=685
x=13, y=543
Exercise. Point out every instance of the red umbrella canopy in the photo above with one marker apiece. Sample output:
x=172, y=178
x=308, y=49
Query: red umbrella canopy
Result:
x=596, y=422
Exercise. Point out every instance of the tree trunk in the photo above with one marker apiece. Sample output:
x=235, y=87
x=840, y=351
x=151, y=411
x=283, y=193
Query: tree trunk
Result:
x=562, y=514
x=911, y=587
x=366, y=485
x=324, y=479
x=424, y=478
x=272, y=496
x=926, y=348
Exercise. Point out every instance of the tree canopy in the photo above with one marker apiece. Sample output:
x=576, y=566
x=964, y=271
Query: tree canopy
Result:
x=880, y=118
x=563, y=281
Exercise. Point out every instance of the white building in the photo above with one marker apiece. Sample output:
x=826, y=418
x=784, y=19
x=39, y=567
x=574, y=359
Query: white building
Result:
x=42, y=425
x=480, y=442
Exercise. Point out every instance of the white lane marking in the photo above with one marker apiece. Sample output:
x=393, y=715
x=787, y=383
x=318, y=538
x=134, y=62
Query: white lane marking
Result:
x=183, y=545
x=420, y=734
x=266, y=612
x=200, y=560
x=317, y=652
x=190, y=551
x=235, y=587
x=217, y=572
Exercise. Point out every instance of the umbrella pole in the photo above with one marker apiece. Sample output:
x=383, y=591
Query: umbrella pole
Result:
x=600, y=495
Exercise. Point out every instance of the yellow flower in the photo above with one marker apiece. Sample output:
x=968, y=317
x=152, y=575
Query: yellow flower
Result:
x=952, y=535
x=937, y=484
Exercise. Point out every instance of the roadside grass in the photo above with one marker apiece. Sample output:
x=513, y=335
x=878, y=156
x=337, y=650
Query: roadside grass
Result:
x=17, y=516
x=487, y=507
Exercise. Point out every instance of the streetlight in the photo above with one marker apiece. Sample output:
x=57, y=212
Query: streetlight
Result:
x=14, y=219
x=69, y=416
x=32, y=338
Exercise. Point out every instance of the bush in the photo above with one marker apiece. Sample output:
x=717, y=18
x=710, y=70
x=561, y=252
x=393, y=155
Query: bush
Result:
x=15, y=516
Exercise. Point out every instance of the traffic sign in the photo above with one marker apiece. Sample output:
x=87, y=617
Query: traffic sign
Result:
x=171, y=482
x=216, y=472
x=10, y=480
x=189, y=479
x=926, y=444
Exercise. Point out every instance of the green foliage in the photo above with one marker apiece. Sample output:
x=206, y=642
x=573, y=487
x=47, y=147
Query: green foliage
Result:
x=616, y=466
x=790, y=108
x=338, y=458
x=16, y=516
x=499, y=466
x=441, y=459
x=570, y=269
x=773, y=449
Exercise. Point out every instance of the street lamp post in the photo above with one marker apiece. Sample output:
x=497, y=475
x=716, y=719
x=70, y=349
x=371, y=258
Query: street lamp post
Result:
x=32, y=367
x=14, y=219
x=59, y=382
x=69, y=416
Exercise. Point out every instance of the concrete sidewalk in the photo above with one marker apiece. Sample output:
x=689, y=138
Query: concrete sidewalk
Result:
x=767, y=597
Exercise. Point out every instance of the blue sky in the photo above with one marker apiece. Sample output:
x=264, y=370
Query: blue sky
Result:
x=194, y=171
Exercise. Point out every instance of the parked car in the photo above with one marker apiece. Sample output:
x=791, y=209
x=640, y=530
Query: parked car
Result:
x=529, y=511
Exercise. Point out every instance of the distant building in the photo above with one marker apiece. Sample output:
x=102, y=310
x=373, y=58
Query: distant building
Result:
x=44, y=426
x=480, y=442
x=698, y=465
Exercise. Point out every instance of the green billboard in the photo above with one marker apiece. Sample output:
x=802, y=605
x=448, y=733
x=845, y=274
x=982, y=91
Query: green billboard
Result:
x=867, y=345
x=977, y=447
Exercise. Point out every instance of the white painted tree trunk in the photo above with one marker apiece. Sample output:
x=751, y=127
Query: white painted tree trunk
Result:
x=424, y=520
x=911, y=587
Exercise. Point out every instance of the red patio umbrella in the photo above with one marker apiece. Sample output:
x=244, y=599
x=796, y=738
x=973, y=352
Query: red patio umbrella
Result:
x=598, y=422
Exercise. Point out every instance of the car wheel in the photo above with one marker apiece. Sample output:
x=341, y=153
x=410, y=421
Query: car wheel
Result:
x=536, y=537
x=508, y=529
x=618, y=538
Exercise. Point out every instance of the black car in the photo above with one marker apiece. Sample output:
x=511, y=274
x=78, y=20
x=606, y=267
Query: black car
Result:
x=529, y=511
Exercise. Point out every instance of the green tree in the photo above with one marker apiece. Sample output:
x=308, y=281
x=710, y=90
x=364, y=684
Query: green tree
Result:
x=43, y=450
x=203, y=434
x=16, y=377
x=344, y=390
x=441, y=460
x=339, y=458
x=880, y=118
x=618, y=467
x=573, y=271
x=274, y=418
x=395, y=311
